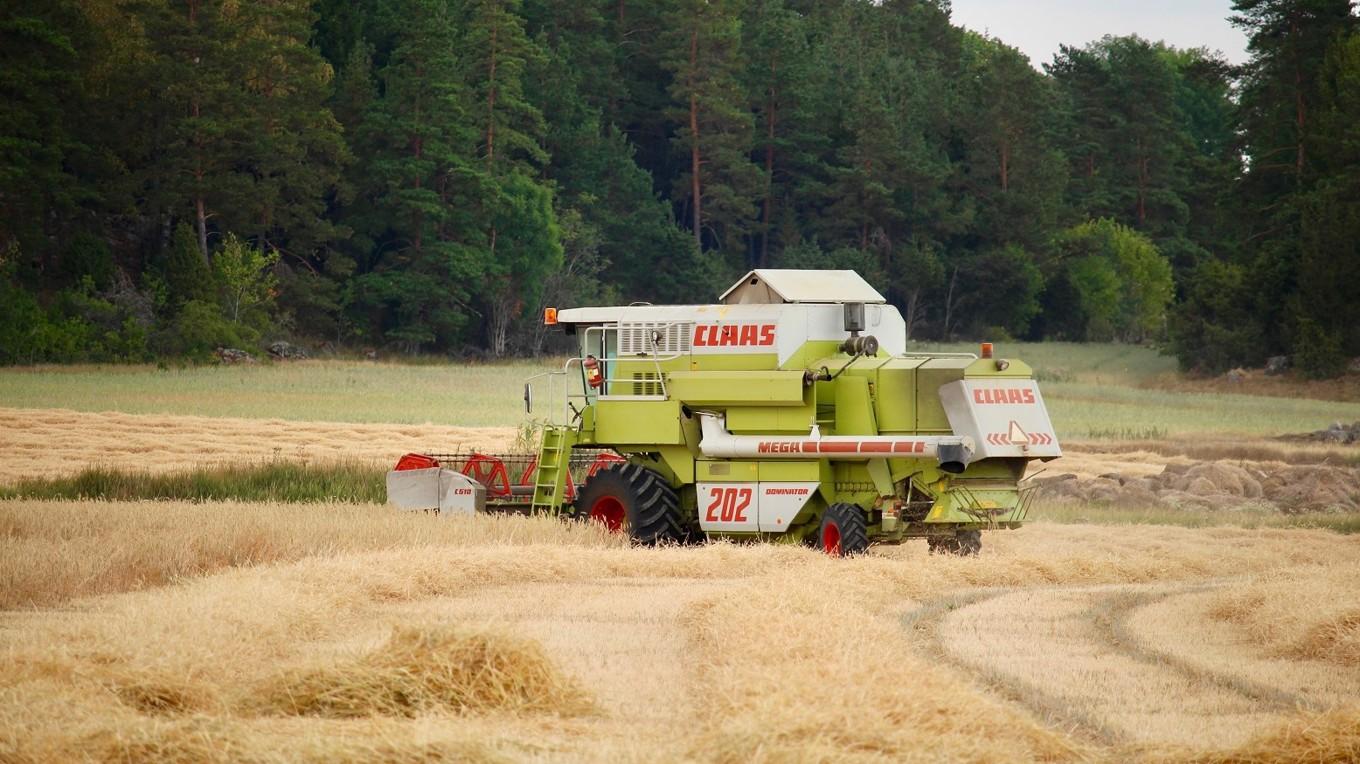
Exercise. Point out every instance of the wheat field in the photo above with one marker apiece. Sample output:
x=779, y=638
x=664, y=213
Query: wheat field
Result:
x=230, y=632
x=332, y=632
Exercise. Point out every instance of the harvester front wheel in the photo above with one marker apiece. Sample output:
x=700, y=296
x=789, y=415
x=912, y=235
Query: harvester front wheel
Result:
x=844, y=531
x=633, y=498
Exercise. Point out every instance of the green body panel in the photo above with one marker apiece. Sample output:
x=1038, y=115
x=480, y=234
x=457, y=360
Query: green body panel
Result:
x=930, y=377
x=628, y=424
x=790, y=472
x=737, y=388
x=727, y=471
x=895, y=407
x=785, y=420
x=854, y=408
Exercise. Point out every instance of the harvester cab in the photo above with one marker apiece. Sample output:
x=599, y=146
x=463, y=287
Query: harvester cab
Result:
x=789, y=410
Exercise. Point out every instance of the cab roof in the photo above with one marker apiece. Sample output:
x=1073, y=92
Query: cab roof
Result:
x=773, y=286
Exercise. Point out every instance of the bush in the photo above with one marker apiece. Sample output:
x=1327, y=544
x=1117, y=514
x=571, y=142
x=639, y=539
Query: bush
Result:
x=1317, y=351
x=200, y=328
x=1123, y=283
x=1214, y=329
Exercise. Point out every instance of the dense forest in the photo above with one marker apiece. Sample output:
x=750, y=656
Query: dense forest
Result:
x=422, y=176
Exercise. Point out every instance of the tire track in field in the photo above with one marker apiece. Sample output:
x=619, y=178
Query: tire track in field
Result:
x=1068, y=654
x=925, y=623
x=1112, y=616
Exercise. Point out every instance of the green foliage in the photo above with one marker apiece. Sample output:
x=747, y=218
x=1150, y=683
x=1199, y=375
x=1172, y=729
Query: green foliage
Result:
x=272, y=481
x=1317, y=351
x=185, y=270
x=88, y=256
x=429, y=172
x=703, y=53
x=997, y=288
x=1122, y=283
x=200, y=328
x=1214, y=327
x=21, y=318
x=246, y=277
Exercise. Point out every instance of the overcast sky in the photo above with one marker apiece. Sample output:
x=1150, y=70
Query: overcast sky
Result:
x=1038, y=27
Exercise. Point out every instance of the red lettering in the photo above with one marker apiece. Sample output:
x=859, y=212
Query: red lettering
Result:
x=1004, y=395
x=767, y=335
x=701, y=335
x=748, y=334
x=729, y=505
x=745, y=496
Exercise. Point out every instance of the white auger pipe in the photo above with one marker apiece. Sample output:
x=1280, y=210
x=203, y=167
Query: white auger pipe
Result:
x=717, y=442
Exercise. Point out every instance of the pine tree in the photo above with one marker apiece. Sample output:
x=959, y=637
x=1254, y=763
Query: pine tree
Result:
x=1288, y=42
x=720, y=184
x=1329, y=245
x=782, y=82
x=293, y=151
x=497, y=56
x=204, y=112
x=424, y=181
x=40, y=44
x=1009, y=162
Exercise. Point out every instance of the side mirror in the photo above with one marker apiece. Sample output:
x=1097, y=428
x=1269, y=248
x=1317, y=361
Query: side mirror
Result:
x=528, y=398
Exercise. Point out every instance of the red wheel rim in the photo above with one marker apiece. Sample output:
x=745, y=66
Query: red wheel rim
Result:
x=831, y=539
x=608, y=511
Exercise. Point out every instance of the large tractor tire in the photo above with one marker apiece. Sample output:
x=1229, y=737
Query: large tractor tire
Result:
x=629, y=497
x=844, y=531
x=963, y=543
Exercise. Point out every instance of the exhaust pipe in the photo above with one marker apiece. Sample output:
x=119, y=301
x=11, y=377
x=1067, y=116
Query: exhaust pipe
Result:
x=717, y=442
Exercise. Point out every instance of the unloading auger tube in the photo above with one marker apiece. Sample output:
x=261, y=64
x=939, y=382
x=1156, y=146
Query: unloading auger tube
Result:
x=953, y=452
x=790, y=410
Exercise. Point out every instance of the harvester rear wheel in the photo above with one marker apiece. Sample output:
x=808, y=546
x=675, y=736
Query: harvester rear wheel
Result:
x=630, y=497
x=844, y=531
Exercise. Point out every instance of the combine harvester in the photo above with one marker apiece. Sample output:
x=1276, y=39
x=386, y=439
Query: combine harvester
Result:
x=789, y=411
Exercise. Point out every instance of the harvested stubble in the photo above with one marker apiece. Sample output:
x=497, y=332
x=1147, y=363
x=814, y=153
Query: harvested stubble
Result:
x=41, y=443
x=1309, y=614
x=54, y=551
x=719, y=653
x=424, y=671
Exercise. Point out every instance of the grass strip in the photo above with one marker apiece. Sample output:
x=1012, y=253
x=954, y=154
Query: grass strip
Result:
x=272, y=481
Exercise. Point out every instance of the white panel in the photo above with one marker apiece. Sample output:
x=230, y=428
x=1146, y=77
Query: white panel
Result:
x=452, y=493
x=793, y=325
x=654, y=338
x=729, y=507
x=460, y=494
x=781, y=502
x=1004, y=417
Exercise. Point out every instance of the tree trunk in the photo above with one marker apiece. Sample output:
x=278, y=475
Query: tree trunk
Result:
x=695, y=160
x=1005, y=167
x=913, y=307
x=1300, y=107
x=201, y=214
x=949, y=303
x=771, y=118
x=491, y=103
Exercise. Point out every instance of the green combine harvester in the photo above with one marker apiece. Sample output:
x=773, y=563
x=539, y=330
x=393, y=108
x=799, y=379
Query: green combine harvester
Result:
x=789, y=411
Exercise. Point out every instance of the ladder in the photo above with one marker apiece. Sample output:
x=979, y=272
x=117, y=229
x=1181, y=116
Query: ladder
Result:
x=554, y=460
